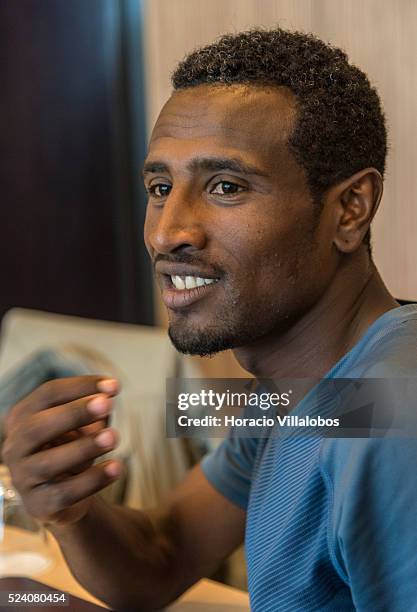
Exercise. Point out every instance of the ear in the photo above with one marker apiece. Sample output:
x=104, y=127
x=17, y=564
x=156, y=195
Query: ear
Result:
x=354, y=203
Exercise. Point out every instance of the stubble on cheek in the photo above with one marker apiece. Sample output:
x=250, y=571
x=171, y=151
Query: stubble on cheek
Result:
x=280, y=291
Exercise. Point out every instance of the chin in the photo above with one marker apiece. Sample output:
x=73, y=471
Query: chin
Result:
x=197, y=343
x=209, y=341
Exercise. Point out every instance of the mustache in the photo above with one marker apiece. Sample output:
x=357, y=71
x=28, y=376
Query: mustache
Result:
x=188, y=258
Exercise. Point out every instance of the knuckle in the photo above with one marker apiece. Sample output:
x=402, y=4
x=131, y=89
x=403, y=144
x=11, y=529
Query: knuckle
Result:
x=44, y=393
x=36, y=502
x=30, y=431
x=59, y=498
x=41, y=469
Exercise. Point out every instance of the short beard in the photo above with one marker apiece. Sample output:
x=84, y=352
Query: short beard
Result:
x=207, y=343
x=202, y=344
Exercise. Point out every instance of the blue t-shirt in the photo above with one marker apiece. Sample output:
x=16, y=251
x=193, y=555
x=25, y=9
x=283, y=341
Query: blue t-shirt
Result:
x=331, y=522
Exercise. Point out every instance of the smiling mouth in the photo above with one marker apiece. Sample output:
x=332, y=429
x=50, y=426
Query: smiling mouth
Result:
x=190, y=282
x=182, y=291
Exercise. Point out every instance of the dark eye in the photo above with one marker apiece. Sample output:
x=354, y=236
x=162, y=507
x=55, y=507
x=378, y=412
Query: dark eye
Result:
x=161, y=190
x=226, y=188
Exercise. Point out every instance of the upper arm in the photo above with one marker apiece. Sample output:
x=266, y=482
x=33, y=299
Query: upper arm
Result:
x=206, y=526
x=208, y=511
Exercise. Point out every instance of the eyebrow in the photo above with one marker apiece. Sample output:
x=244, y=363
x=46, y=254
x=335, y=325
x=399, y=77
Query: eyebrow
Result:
x=213, y=164
x=154, y=167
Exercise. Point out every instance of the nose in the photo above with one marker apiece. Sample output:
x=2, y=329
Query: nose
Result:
x=177, y=225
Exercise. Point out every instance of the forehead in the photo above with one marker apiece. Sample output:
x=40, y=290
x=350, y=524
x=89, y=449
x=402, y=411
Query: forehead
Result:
x=252, y=120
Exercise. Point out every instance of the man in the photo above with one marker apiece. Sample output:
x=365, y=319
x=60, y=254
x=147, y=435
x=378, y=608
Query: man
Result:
x=264, y=173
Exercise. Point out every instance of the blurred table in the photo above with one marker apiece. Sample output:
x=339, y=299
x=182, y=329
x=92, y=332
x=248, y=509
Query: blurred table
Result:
x=205, y=596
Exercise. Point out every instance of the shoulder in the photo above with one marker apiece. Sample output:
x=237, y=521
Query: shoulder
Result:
x=393, y=350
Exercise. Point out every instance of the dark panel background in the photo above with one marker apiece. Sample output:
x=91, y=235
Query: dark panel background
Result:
x=71, y=144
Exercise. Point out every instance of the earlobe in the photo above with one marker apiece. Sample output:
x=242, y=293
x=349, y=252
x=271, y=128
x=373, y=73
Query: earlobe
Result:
x=356, y=200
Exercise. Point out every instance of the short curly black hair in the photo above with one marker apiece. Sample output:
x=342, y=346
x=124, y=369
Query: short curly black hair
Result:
x=340, y=127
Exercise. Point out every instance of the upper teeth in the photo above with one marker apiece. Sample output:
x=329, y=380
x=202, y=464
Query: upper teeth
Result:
x=190, y=282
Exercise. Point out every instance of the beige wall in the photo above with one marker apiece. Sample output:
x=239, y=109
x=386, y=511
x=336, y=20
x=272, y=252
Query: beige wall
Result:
x=379, y=35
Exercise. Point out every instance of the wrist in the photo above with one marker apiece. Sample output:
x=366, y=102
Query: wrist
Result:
x=75, y=520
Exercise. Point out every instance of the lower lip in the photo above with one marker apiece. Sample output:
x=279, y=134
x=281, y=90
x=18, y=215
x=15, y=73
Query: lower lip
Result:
x=180, y=298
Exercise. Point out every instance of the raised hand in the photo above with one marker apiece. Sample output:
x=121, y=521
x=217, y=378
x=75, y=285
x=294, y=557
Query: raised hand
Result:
x=53, y=437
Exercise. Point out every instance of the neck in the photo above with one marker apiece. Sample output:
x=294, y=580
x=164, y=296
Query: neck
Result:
x=311, y=346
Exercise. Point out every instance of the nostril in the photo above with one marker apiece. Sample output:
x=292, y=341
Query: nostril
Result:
x=178, y=240
x=174, y=228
